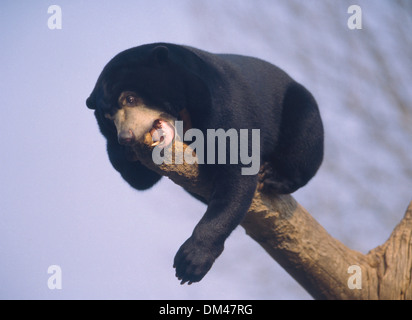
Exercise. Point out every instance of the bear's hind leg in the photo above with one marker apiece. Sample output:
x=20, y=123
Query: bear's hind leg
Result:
x=299, y=150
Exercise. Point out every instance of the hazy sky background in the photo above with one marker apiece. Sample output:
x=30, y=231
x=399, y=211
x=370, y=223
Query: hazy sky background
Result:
x=61, y=202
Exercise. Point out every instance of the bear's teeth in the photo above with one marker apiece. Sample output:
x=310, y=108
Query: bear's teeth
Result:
x=154, y=144
x=162, y=133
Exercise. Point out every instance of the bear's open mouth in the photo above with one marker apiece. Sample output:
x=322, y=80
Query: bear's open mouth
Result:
x=162, y=133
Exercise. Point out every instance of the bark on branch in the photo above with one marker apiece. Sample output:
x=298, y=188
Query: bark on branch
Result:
x=316, y=260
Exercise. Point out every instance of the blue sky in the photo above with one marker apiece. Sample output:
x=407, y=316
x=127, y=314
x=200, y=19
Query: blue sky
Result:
x=61, y=202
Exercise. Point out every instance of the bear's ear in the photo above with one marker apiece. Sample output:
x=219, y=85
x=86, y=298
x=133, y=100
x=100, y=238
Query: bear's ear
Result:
x=159, y=55
x=90, y=104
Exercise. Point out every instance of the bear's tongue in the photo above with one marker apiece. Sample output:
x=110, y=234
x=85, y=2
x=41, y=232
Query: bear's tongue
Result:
x=162, y=133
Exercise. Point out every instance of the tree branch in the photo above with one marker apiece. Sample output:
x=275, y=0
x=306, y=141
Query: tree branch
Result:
x=292, y=237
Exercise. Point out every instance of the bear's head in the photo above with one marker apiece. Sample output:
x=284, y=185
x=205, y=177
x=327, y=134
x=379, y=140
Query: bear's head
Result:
x=140, y=90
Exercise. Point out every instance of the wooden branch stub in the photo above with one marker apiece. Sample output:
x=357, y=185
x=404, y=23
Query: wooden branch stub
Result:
x=393, y=262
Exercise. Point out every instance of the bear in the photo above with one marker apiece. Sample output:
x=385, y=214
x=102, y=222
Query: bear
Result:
x=145, y=88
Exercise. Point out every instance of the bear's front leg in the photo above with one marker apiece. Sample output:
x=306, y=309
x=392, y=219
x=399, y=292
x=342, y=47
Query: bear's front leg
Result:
x=230, y=201
x=195, y=258
x=133, y=172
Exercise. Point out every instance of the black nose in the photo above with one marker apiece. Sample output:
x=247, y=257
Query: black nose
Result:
x=126, y=137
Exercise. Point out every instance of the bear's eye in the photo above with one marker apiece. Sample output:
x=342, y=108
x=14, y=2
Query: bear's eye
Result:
x=130, y=100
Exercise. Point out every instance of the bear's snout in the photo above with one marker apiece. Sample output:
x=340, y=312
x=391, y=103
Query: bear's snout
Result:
x=126, y=137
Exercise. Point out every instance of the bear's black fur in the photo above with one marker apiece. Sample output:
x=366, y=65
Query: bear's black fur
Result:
x=219, y=91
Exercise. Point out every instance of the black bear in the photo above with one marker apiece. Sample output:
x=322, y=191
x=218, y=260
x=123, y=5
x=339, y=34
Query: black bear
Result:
x=148, y=87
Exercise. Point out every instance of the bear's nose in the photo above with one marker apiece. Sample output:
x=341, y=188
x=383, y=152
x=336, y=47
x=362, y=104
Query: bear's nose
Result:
x=126, y=137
